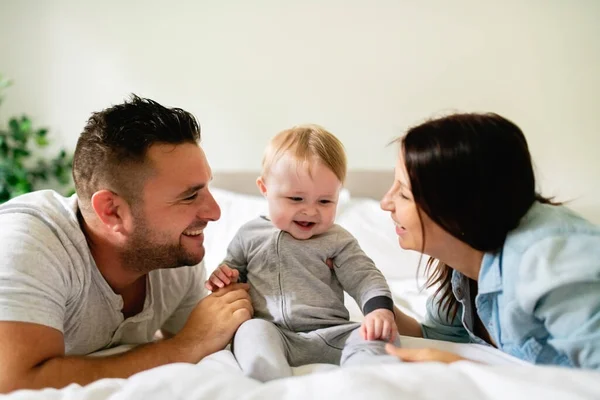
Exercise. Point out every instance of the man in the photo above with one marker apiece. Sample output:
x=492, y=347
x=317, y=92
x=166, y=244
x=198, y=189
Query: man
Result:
x=108, y=265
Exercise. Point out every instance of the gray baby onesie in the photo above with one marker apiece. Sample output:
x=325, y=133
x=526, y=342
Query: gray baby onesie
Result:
x=299, y=300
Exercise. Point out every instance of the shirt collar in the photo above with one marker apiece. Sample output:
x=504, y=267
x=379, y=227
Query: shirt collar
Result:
x=490, y=275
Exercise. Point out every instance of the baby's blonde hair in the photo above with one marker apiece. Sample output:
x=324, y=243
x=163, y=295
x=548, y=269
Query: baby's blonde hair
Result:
x=307, y=143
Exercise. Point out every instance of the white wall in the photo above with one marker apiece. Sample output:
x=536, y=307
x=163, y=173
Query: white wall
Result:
x=364, y=69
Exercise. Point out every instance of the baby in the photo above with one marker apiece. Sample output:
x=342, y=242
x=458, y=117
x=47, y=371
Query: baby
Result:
x=286, y=257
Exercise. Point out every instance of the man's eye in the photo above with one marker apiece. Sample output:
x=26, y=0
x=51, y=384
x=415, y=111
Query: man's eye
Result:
x=295, y=198
x=192, y=197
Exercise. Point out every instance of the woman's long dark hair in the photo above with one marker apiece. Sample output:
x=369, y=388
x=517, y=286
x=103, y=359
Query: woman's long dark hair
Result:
x=471, y=174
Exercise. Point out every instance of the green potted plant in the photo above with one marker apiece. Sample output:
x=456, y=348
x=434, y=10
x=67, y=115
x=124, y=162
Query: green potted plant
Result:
x=23, y=165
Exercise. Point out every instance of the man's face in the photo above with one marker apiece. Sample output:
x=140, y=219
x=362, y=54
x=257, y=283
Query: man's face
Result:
x=177, y=205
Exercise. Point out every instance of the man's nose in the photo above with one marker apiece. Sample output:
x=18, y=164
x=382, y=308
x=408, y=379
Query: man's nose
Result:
x=210, y=210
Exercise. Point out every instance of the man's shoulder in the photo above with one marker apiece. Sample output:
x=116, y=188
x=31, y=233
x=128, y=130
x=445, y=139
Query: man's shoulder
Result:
x=42, y=217
x=40, y=230
x=45, y=205
x=45, y=259
x=38, y=198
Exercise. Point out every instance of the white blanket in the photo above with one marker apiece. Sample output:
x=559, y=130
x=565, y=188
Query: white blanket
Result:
x=219, y=377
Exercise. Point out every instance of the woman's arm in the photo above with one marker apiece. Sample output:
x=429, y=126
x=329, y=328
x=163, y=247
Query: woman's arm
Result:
x=407, y=326
x=559, y=284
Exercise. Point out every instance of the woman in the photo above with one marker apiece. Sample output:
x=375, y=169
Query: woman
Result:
x=513, y=269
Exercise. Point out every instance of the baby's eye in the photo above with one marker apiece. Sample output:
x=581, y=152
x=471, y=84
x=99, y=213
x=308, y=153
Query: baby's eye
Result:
x=295, y=198
x=324, y=201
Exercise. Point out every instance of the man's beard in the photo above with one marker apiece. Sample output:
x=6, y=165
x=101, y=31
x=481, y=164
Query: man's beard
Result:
x=145, y=252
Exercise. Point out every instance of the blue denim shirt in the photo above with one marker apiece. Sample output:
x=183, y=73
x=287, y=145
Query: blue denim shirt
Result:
x=539, y=297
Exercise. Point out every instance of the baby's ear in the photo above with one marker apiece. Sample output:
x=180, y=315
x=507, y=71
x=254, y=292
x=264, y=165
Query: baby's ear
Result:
x=260, y=182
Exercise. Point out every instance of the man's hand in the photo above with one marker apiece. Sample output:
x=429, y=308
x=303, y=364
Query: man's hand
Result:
x=213, y=322
x=221, y=277
x=379, y=325
x=423, y=355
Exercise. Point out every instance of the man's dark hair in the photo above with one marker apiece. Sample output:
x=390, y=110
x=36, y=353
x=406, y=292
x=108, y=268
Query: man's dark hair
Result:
x=111, y=150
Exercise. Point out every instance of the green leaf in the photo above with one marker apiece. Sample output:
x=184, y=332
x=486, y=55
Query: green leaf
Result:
x=4, y=194
x=39, y=174
x=21, y=187
x=3, y=147
x=19, y=172
x=42, y=141
x=41, y=132
x=25, y=125
x=18, y=134
x=58, y=170
x=13, y=125
x=19, y=153
x=12, y=180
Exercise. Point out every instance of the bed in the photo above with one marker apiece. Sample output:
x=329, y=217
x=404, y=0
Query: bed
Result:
x=493, y=375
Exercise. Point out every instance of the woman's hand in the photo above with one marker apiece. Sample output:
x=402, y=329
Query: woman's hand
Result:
x=422, y=355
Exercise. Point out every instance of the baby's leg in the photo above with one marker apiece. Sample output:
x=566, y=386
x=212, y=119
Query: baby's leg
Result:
x=261, y=350
x=310, y=348
x=322, y=346
x=359, y=351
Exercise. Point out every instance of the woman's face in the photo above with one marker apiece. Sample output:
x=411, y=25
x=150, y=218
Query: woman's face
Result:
x=404, y=211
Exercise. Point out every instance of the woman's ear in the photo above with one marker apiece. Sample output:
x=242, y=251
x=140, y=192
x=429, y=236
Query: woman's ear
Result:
x=260, y=182
x=112, y=210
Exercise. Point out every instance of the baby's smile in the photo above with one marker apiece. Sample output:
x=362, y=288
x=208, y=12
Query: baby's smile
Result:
x=305, y=224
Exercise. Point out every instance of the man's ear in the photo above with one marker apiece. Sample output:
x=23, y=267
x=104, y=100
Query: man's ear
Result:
x=112, y=210
x=260, y=182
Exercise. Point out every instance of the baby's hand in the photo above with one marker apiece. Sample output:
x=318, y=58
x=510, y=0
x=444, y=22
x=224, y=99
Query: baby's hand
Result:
x=222, y=277
x=379, y=325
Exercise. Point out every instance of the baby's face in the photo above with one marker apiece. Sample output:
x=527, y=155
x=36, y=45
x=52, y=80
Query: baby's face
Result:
x=301, y=203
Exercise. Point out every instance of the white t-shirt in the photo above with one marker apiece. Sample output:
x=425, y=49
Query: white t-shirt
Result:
x=48, y=276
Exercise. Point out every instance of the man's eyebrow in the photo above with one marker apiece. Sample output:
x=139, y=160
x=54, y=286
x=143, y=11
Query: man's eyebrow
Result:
x=191, y=190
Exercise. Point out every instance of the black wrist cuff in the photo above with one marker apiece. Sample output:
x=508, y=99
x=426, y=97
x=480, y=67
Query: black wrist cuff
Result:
x=378, y=302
